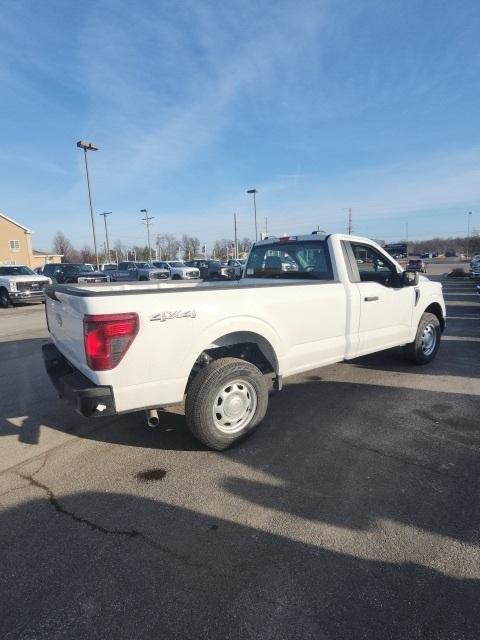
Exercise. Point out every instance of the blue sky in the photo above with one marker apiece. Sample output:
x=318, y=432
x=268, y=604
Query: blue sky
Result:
x=319, y=105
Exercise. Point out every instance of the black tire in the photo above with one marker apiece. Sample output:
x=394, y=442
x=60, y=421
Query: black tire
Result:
x=249, y=398
x=4, y=299
x=427, y=341
x=176, y=277
x=143, y=279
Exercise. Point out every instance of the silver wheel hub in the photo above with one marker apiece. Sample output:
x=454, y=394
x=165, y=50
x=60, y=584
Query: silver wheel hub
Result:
x=234, y=406
x=429, y=339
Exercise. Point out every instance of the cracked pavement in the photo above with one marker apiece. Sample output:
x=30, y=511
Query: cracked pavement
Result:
x=353, y=512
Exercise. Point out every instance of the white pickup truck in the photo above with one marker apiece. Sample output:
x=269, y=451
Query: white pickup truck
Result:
x=18, y=283
x=118, y=348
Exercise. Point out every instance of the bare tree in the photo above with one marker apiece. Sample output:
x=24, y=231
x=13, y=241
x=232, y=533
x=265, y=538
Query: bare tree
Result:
x=168, y=245
x=119, y=250
x=86, y=255
x=63, y=246
x=190, y=247
x=244, y=246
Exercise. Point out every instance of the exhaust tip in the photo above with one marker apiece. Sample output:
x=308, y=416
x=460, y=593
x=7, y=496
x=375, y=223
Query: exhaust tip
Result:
x=152, y=418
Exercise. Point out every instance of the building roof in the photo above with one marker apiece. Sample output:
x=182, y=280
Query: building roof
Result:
x=46, y=253
x=2, y=215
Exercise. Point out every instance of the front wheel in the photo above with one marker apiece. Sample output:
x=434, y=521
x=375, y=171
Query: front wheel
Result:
x=4, y=299
x=225, y=402
x=427, y=341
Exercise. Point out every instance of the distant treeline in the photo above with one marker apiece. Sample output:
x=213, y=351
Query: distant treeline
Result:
x=164, y=247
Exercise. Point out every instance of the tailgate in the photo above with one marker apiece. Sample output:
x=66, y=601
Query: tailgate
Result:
x=65, y=323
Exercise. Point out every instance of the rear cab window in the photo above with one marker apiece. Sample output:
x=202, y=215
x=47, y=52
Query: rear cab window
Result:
x=290, y=260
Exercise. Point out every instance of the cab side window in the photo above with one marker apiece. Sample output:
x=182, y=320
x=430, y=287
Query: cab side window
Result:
x=374, y=267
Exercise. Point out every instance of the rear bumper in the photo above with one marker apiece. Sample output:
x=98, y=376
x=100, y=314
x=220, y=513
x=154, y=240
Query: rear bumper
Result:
x=87, y=398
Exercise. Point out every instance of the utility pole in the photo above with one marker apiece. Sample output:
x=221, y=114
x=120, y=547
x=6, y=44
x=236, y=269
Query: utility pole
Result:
x=350, y=226
x=266, y=227
x=469, y=215
x=89, y=146
x=254, y=191
x=146, y=220
x=236, y=239
x=107, y=252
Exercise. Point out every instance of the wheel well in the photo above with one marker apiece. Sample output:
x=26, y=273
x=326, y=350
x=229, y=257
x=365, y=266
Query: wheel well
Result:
x=436, y=309
x=244, y=345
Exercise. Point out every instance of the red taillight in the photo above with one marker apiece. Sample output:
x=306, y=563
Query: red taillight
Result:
x=107, y=338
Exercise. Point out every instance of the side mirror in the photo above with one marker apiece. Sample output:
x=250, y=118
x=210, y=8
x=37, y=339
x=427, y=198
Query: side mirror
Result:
x=410, y=278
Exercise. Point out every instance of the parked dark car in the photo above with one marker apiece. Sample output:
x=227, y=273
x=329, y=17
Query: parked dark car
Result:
x=416, y=265
x=71, y=273
x=212, y=269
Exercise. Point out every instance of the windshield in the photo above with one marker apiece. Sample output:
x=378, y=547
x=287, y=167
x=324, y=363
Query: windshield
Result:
x=177, y=263
x=78, y=267
x=144, y=265
x=16, y=271
x=290, y=260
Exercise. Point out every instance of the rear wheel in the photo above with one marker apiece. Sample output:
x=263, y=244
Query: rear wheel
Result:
x=225, y=402
x=427, y=341
x=4, y=299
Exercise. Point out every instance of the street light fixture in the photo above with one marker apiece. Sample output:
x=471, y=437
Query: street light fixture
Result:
x=107, y=244
x=469, y=215
x=254, y=191
x=146, y=221
x=89, y=146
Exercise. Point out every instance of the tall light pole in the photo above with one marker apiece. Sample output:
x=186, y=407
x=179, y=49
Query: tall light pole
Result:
x=107, y=252
x=89, y=146
x=235, y=230
x=146, y=220
x=469, y=215
x=254, y=191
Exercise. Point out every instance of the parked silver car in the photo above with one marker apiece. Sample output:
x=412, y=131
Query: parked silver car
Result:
x=128, y=271
x=178, y=269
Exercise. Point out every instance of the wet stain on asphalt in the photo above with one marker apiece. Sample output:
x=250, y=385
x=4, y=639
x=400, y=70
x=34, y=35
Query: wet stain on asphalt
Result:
x=151, y=474
x=441, y=408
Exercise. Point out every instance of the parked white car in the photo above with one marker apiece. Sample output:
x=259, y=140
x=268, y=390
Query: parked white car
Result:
x=178, y=269
x=475, y=268
x=19, y=283
x=124, y=347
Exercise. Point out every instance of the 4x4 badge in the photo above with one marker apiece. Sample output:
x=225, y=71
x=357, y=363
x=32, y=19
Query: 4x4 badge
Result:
x=163, y=316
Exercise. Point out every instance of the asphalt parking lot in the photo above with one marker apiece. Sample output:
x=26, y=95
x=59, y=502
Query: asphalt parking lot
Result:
x=353, y=512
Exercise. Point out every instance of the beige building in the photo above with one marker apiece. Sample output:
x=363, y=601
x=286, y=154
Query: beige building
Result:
x=16, y=245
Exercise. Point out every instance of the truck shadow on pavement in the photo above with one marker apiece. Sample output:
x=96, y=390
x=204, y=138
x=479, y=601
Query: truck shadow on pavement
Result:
x=92, y=565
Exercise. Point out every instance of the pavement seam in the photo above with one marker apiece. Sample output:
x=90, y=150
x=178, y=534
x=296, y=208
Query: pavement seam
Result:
x=127, y=533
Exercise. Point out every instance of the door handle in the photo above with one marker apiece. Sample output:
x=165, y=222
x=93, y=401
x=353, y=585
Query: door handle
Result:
x=371, y=298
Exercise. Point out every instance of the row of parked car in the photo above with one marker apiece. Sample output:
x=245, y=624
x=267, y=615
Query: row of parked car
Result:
x=19, y=283
x=128, y=271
